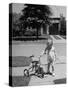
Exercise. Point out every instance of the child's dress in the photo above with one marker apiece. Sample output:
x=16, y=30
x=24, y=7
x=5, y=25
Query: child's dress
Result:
x=43, y=60
x=51, y=56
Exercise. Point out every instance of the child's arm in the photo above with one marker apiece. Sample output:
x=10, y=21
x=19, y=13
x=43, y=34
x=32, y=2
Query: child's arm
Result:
x=43, y=52
x=55, y=54
x=46, y=49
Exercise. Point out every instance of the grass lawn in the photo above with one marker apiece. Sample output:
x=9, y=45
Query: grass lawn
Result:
x=19, y=61
x=29, y=38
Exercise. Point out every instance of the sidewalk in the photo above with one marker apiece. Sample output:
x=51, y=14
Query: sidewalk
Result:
x=61, y=40
x=60, y=71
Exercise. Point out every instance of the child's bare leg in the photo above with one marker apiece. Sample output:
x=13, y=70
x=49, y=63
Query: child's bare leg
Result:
x=52, y=64
x=48, y=67
x=53, y=70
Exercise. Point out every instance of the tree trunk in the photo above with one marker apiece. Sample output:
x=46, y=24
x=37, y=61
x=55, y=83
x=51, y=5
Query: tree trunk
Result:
x=41, y=30
x=37, y=33
x=47, y=29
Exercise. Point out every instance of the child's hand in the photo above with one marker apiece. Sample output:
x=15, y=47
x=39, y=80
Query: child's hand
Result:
x=44, y=52
x=40, y=56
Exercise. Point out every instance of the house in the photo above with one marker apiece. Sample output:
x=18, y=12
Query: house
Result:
x=52, y=28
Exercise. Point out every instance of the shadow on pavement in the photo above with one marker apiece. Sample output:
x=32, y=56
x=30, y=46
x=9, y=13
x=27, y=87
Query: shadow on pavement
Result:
x=60, y=81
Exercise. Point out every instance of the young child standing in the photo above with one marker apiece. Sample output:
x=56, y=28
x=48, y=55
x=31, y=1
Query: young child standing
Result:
x=51, y=56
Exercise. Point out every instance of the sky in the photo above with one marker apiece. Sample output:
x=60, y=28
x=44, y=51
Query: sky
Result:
x=56, y=10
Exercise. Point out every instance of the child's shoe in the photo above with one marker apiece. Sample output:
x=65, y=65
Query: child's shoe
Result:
x=53, y=74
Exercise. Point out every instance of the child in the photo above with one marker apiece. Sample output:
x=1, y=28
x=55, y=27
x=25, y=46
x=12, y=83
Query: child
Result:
x=51, y=56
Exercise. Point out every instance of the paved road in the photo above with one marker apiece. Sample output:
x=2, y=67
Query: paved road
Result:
x=29, y=49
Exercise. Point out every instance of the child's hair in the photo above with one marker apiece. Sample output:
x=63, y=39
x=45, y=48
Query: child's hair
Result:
x=50, y=42
x=31, y=56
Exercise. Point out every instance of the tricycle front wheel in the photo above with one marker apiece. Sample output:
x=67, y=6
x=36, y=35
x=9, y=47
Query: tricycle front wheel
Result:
x=26, y=73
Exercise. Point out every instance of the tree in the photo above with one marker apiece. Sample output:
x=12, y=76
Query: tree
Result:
x=16, y=24
x=35, y=16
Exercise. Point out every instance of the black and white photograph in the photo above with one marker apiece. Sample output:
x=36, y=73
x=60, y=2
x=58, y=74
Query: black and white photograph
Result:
x=37, y=44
